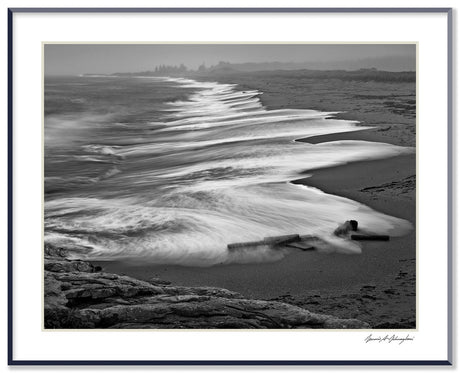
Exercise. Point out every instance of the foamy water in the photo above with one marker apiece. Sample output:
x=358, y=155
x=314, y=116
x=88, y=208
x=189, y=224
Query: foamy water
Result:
x=176, y=181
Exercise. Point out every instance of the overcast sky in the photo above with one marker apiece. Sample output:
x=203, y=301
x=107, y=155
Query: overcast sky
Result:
x=111, y=58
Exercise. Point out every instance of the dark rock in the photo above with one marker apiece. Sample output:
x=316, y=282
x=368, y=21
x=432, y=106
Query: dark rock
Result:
x=78, y=297
x=390, y=291
x=158, y=281
x=54, y=251
x=345, y=228
x=64, y=265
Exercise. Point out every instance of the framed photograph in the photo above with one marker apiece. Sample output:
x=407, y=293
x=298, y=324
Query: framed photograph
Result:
x=230, y=186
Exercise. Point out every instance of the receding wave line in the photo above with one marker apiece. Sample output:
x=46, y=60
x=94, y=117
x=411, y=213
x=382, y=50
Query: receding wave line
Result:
x=208, y=171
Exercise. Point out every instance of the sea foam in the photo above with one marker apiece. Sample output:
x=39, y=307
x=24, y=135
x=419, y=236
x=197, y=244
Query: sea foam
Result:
x=205, y=171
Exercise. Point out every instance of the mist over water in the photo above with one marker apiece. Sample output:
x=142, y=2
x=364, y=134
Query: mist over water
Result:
x=172, y=170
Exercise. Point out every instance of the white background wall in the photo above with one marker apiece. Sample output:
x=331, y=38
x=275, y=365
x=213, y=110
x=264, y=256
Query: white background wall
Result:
x=136, y=3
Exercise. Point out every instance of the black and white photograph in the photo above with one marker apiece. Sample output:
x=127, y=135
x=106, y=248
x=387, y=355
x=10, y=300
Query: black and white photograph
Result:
x=229, y=186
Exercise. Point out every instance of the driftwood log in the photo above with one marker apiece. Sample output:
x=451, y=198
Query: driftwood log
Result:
x=373, y=237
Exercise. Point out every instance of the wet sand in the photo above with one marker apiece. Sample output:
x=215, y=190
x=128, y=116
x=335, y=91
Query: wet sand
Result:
x=377, y=286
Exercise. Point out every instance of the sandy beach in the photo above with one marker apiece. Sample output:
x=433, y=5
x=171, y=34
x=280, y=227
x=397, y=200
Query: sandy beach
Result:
x=377, y=286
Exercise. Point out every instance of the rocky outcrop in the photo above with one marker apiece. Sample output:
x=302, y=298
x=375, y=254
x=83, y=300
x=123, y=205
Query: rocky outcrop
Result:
x=77, y=296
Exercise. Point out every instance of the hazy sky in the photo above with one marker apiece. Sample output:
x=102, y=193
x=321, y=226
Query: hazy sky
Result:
x=111, y=58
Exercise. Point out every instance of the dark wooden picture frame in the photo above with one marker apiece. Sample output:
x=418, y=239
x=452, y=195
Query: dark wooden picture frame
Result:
x=16, y=362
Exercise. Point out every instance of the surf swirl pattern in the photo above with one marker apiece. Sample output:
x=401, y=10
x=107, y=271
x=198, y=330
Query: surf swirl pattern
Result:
x=172, y=170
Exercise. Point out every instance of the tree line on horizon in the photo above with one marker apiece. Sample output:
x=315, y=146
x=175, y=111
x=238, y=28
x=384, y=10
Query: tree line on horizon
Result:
x=227, y=68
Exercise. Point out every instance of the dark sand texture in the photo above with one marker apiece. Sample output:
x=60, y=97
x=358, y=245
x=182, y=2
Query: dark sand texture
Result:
x=377, y=286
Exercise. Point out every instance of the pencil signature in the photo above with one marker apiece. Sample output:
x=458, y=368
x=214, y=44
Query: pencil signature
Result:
x=389, y=339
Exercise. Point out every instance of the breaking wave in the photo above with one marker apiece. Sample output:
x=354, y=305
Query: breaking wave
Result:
x=177, y=183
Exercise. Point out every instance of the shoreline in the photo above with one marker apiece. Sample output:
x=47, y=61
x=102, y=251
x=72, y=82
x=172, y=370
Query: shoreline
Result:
x=389, y=106
x=320, y=275
x=377, y=286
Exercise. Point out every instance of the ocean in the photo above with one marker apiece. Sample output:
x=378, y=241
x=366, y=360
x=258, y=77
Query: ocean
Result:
x=171, y=170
